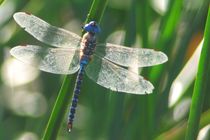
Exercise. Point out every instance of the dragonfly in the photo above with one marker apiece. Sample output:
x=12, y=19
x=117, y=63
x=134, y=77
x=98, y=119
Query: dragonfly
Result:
x=69, y=53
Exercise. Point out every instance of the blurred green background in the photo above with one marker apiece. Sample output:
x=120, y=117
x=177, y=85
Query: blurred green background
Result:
x=27, y=95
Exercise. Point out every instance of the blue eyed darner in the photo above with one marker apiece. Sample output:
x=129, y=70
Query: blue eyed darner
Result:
x=71, y=53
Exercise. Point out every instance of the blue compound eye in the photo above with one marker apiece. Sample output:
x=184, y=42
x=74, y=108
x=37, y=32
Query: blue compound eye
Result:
x=92, y=27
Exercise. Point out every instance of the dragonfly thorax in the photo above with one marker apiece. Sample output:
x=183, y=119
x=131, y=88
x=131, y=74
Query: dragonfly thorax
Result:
x=88, y=41
x=88, y=44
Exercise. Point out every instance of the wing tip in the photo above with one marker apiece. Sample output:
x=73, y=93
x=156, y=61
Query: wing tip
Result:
x=164, y=57
x=150, y=88
x=19, y=17
x=14, y=49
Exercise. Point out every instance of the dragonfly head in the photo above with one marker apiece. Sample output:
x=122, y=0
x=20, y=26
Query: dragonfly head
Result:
x=92, y=27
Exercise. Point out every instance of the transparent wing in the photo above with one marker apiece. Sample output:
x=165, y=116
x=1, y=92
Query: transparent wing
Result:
x=45, y=32
x=111, y=76
x=128, y=57
x=53, y=60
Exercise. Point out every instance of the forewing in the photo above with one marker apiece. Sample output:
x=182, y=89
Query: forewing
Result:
x=126, y=56
x=53, y=60
x=113, y=77
x=45, y=32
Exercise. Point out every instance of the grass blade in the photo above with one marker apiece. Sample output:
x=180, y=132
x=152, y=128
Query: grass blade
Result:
x=97, y=10
x=178, y=131
x=200, y=87
x=59, y=109
x=1, y=1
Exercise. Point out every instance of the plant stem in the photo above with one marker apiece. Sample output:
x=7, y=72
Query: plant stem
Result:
x=97, y=10
x=200, y=87
x=59, y=109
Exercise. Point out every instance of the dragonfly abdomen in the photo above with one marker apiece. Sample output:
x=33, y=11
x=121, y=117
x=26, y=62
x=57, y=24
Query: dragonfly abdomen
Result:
x=75, y=97
x=88, y=42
